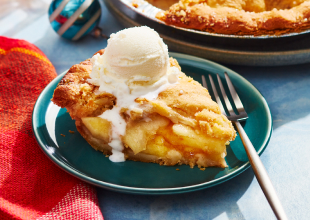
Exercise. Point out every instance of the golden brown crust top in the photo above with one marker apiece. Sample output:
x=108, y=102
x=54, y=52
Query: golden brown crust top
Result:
x=240, y=17
x=189, y=103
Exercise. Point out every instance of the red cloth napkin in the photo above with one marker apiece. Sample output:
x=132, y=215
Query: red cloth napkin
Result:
x=31, y=186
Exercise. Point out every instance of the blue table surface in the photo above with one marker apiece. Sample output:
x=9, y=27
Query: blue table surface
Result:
x=287, y=91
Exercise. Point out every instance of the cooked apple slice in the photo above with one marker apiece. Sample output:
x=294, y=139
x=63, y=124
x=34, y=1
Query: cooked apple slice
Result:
x=138, y=133
x=98, y=127
x=155, y=146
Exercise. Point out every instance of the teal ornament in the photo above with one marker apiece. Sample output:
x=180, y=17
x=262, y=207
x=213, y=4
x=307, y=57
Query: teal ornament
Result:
x=73, y=19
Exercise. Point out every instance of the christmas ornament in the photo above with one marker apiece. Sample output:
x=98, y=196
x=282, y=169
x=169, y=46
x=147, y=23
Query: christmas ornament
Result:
x=73, y=19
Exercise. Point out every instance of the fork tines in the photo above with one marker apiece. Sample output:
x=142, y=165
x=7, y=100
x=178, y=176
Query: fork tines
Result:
x=242, y=115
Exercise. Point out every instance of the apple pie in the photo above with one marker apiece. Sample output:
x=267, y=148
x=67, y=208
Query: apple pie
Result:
x=181, y=126
x=240, y=17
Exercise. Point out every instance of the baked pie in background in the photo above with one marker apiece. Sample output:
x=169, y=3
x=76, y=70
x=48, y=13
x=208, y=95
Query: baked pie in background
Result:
x=239, y=17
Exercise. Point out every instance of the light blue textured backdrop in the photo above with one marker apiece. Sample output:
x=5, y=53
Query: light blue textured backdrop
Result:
x=286, y=89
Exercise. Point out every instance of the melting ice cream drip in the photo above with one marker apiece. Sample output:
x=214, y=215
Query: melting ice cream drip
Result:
x=135, y=64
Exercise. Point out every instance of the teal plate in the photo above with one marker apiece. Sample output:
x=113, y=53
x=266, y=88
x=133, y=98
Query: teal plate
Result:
x=73, y=154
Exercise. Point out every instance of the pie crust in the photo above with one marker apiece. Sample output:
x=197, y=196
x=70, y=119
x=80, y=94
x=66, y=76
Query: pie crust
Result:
x=181, y=126
x=240, y=17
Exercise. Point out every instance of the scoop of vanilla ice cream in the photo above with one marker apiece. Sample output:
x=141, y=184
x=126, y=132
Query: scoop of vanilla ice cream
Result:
x=137, y=54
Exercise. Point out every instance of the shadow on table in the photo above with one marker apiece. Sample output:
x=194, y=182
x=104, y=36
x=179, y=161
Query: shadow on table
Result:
x=285, y=88
x=204, y=204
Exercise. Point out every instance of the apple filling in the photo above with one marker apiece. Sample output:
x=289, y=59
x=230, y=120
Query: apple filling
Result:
x=170, y=143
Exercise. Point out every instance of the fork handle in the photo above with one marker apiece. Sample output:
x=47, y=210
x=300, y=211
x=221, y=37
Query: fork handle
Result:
x=261, y=174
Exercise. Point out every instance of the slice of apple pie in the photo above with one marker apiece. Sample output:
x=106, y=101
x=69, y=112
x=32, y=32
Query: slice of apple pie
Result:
x=181, y=126
x=131, y=101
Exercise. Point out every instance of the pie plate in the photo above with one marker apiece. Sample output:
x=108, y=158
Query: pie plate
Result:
x=267, y=50
x=57, y=136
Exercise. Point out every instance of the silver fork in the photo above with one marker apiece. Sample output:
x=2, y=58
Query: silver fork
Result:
x=256, y=163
